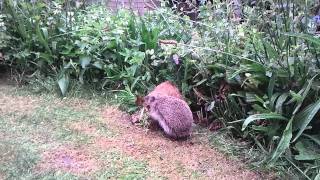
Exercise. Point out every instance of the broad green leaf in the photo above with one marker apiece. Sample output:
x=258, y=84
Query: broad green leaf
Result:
x=302, y=119
x=260, y=99
x=45, y=32
x=284, y=142
x=250, y=97
x=304, y=94
x=272, y=53
x=236, y=73
x=273, y=99
x=85, y=61
x=307, y=151
x=135, y=82
x=98, y=65
x=81, y=76
x=280, y=102
x=21, y=23
x=314, y=138
x=200, y=82
x=54, y=45
x=296, y=97
x=261, y=116
x=63, y=84
x=41, y=38
x=261, y=128
x=307, y=37
x=271, y=84
x=137, y=58
x=260, y=109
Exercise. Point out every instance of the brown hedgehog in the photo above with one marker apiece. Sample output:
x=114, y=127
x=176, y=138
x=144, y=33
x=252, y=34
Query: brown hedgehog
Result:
x=166, y=88
x=171, y=113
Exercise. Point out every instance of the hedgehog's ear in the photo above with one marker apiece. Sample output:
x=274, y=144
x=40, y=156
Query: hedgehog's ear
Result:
x=149, y=98
x=152, y=98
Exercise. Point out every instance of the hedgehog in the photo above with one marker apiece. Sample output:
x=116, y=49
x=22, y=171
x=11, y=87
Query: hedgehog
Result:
x=171, y=113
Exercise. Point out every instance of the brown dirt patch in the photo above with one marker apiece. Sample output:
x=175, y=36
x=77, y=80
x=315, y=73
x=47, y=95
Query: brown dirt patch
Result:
x=166, y=157
x=74, y=103
x=69, y=159
x=115, y=118
x=17, y=104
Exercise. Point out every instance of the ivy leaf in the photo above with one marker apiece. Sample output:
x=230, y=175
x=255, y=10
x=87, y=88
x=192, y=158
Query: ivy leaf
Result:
x=63, y=83
x=85, y=61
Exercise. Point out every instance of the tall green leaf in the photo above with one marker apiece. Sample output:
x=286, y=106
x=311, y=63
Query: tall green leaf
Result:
x=41, y=36
x=271, y=84
x=302, y=119
x=262, y=116
x=306, y=37
x=20, y=22
x=284, y=142
x=314, y=138
x=280, y=102
x=304, y=94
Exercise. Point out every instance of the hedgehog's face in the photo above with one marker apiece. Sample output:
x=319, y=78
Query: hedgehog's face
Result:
x=139, y=101
x=148, y=101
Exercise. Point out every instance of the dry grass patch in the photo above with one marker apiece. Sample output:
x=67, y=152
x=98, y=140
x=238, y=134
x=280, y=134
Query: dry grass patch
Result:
x=77, y=161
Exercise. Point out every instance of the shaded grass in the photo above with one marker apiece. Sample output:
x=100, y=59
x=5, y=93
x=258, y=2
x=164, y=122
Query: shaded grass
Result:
x=17, y=160
x=238, y=149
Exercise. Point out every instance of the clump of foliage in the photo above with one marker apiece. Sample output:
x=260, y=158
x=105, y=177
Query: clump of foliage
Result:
x=259, y=78
x=271, y=62
x=112, y=51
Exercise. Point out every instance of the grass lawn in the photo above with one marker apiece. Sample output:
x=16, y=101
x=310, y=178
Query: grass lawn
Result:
x=46, y=137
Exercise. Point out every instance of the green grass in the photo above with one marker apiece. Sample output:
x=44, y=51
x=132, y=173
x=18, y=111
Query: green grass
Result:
x=27, y=133
x=17, y=160
x=238, y=149
x=122, y=167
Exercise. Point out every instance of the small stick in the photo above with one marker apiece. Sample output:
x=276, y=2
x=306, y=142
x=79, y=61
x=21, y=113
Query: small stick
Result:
x=141, y=113
x=168, y=42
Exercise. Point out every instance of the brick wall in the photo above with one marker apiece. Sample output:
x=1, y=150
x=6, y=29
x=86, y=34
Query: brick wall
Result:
x=139, y=6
